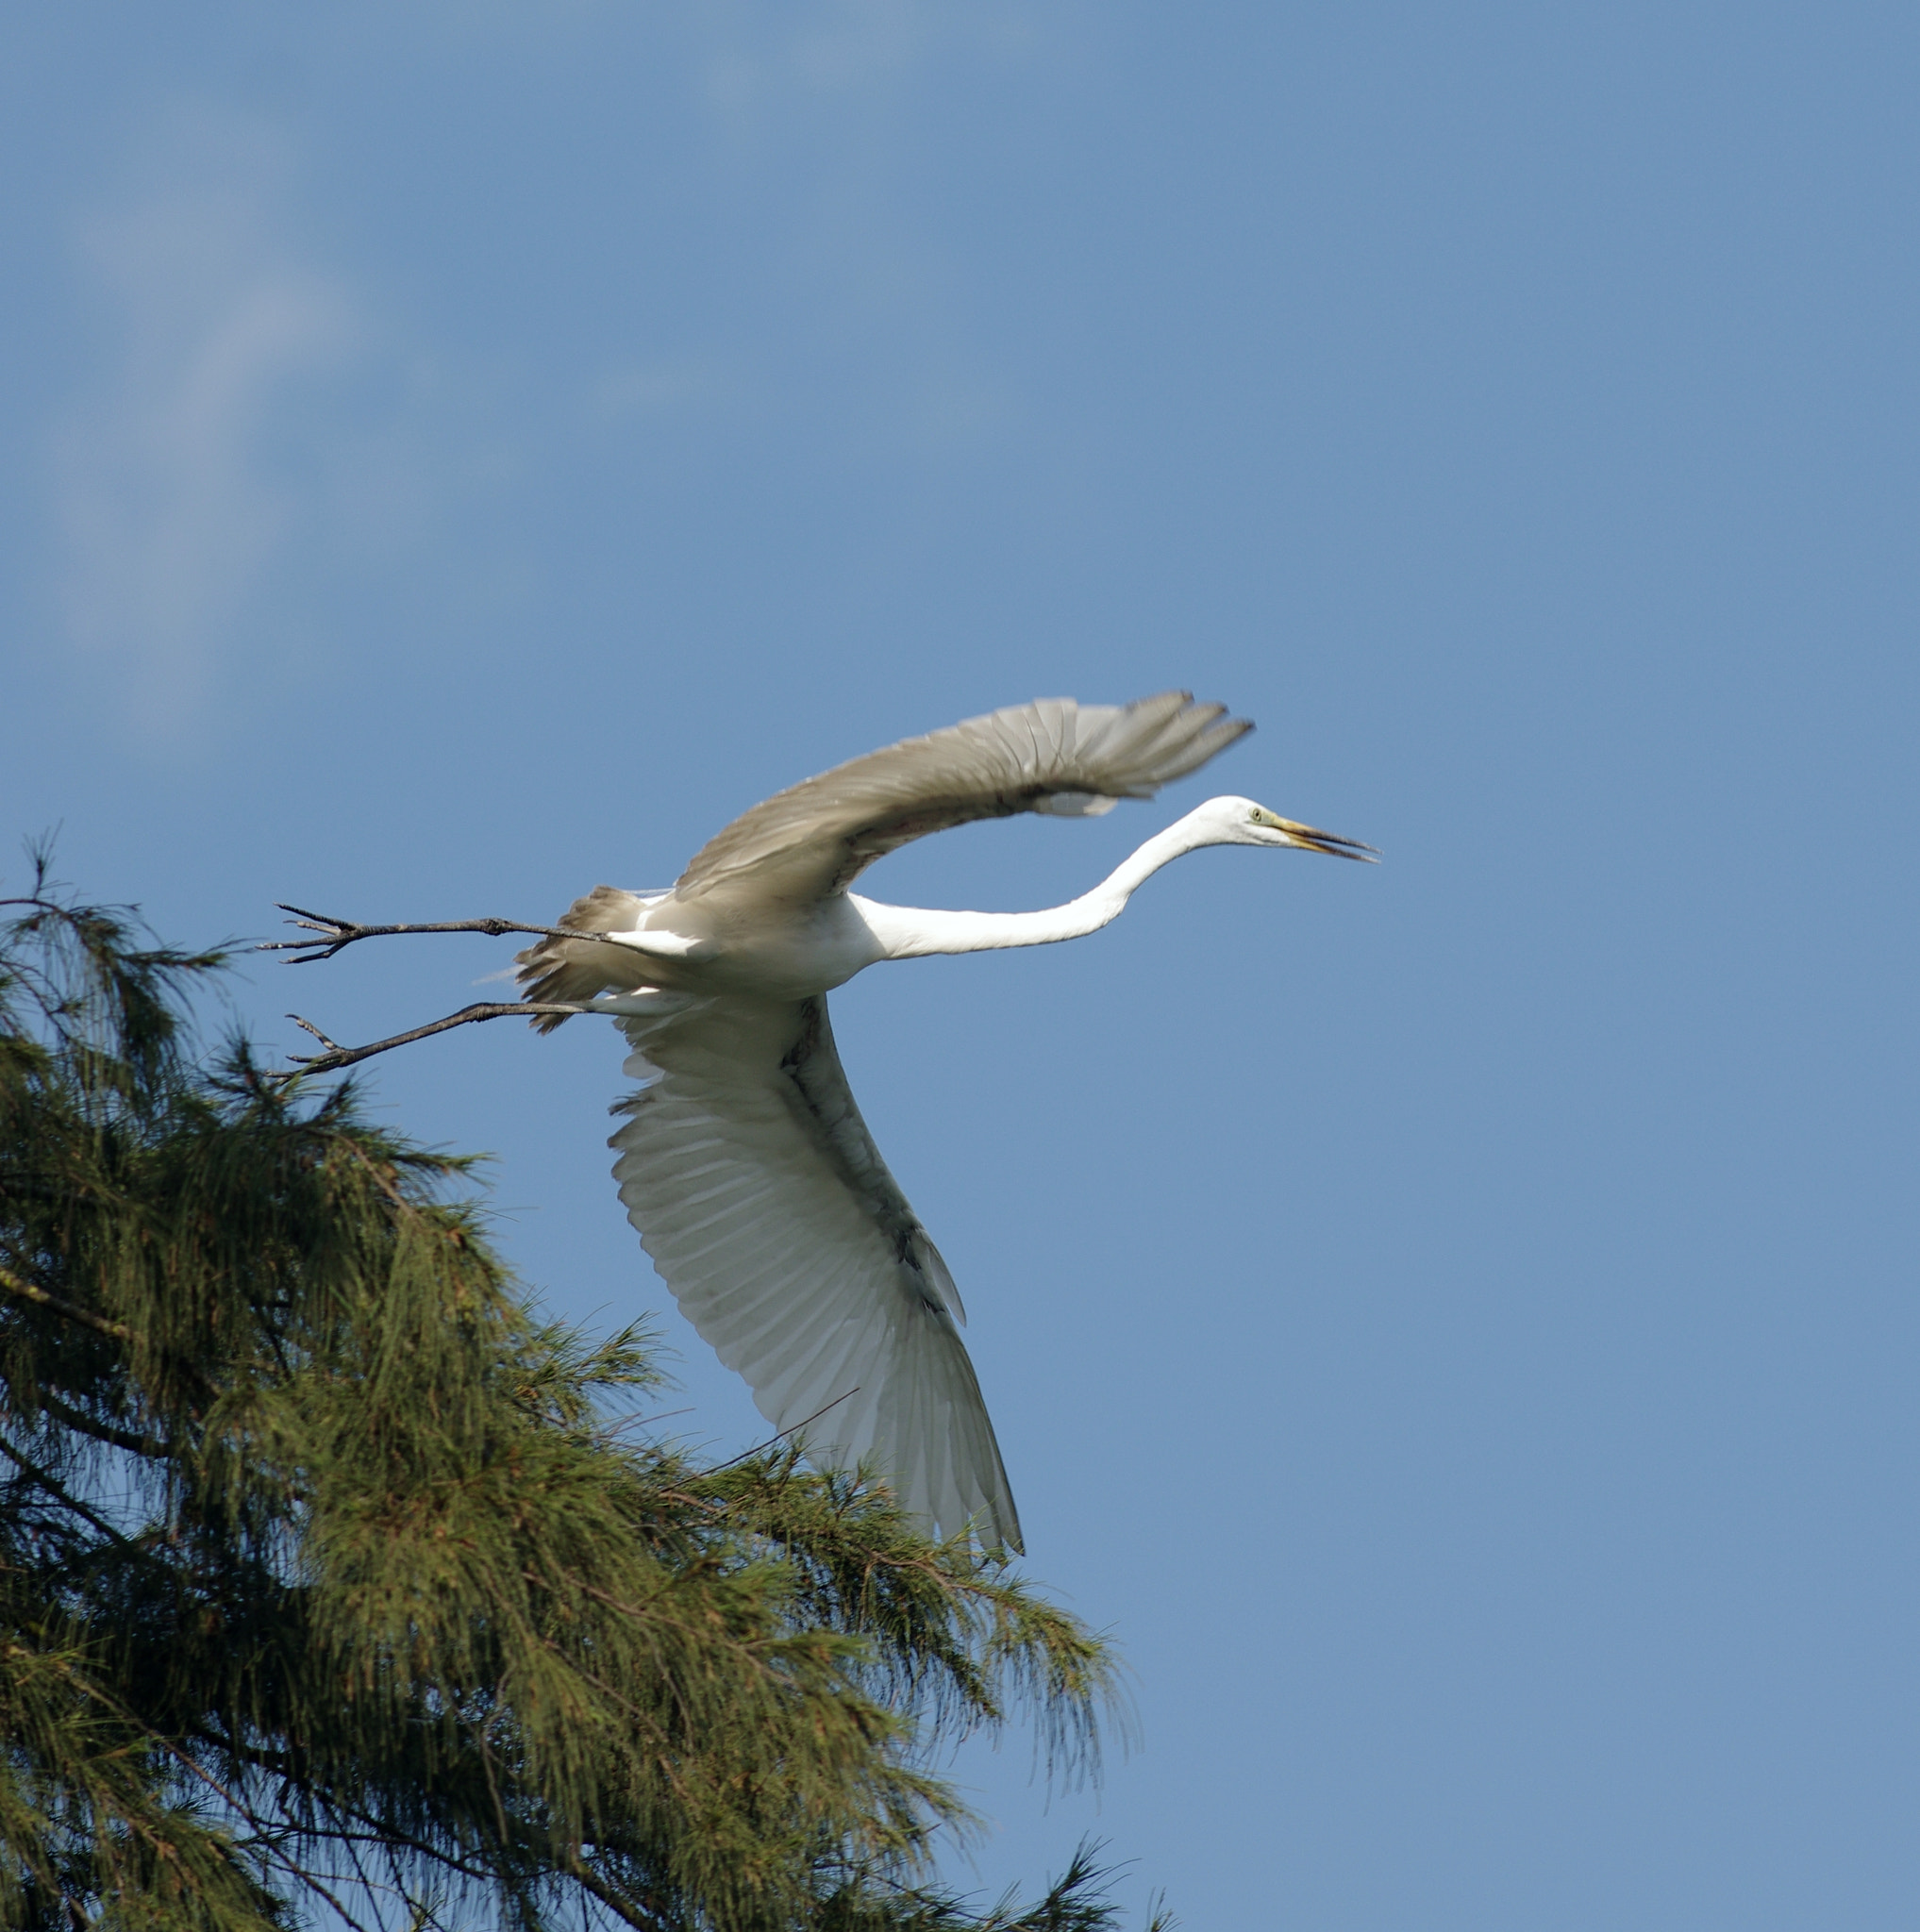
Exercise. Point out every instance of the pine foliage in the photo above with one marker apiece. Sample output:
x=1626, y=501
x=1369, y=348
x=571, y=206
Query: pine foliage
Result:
x=332, y=1590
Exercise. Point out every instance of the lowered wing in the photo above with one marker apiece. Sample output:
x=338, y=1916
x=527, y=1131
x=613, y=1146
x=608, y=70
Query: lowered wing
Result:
x=768, y=1211
x=1052, y=755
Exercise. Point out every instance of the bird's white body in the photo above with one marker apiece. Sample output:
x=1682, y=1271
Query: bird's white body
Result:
x=791, y=952
x=799, y=952
x=744, y=1162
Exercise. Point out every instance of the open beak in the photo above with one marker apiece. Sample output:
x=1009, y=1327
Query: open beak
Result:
x=1312, y=839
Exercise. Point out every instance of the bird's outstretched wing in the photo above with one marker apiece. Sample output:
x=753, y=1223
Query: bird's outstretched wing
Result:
x=1052, y=755
x=768, y=1210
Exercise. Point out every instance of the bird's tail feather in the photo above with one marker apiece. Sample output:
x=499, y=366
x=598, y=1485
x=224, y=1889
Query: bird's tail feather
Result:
x=563, y=972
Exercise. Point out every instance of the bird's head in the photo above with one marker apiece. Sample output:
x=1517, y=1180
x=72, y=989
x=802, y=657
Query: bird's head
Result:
x=1240, y=822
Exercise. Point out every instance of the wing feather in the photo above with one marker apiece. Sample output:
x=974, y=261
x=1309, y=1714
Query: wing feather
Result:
x=1053, y=756
x=771, y=1217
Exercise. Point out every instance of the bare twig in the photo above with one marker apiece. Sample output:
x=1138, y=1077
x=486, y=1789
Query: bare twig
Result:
x=337, y=1055
x=759, y=1448
x=334, y=934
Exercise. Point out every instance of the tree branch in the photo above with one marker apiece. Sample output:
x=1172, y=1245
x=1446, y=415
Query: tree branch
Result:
x=589, y=1882
x=388, y=1833
x=66, y=1310
x=101, y=1432
x=381, y=1830
x=761, y=1447
x=38, y=1476
x=337, y=1055
x=335, y=934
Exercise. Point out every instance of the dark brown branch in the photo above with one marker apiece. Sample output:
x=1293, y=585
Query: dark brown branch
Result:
x=337, y=1055
x=65, y=1310
x=642, y=1914
x=334, y=934
x=279, y=1764
x=69, y=1417
x=381, y=1830
x=624, y=1909
x=40, y=1479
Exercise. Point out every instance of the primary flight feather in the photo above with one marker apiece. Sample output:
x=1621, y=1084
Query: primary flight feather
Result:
x=743, y=1159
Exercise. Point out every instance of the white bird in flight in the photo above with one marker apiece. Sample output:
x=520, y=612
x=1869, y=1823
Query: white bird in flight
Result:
x=744, y=1161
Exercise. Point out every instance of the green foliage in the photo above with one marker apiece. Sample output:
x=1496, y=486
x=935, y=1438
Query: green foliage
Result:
x=331, y=1590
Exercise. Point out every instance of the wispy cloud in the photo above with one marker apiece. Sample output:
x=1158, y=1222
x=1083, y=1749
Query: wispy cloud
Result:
x=177, y=474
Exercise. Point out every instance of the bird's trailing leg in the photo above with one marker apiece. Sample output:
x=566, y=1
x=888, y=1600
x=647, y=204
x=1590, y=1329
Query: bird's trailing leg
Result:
x=335, y=934
x=331, y=935
x=338, y=1056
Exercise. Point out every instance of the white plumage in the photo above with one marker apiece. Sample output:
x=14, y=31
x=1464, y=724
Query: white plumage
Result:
x=744, y=1161
x=769, y=1211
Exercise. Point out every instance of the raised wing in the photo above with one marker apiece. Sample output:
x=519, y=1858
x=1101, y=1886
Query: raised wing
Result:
x=1054, y=755
x=768, y=1211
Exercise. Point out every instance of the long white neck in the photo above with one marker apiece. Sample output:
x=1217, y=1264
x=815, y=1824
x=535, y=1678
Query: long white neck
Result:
x=912, y=932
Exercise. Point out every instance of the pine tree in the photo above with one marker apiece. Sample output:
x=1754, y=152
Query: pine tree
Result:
x=336, y=1588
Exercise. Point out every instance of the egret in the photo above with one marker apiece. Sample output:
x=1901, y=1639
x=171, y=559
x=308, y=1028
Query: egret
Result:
x=743, y=1159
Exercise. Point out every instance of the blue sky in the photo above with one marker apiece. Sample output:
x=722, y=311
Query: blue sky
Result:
x=1453, y=1324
